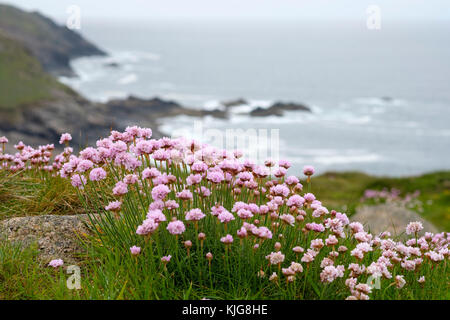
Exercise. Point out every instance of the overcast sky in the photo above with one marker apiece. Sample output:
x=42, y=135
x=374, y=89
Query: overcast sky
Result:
x=257, y=9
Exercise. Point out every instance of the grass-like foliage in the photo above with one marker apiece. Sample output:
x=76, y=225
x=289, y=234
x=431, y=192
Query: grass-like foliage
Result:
x=174, y=219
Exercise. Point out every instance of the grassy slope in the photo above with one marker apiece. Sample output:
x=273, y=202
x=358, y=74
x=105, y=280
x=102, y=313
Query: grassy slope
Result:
x=344, y=190
x=340, y=191
x=22, y=80
x=20, y=196
x=23, y=276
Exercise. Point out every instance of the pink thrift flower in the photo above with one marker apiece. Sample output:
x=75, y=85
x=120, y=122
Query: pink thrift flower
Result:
x=120, y=189
x=292, y=180
x=78, y=181
x=166, y=259
x=309, y=197
x=185, y=195
x=275, y=257
x=97, y=174
x=150, y=173
x=288, y=219
x=135, y=250
x=65, y=137
x=56, y=263
x=298, y=249
x=171, y=205
x=228, y=239
x=156, y=215
x=176, y=227
x=160, y=192
x=84, y=165
x=114, y=206
x=399, y=282
x=414, y=227
x=147, y=227
x=308, y=170
x=225, y=216
x=284, y=164
x=244, y=214
x=195, y=215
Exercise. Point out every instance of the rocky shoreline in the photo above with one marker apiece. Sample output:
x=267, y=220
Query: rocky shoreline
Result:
x=68, y=111
x=50, y=47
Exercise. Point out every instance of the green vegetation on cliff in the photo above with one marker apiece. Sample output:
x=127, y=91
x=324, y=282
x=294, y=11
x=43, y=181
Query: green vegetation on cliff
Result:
x=22, y=80
x=349, y=187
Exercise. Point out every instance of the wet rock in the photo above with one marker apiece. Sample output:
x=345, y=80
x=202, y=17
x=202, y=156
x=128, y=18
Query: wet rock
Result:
x=234, y=103
x=277, y=109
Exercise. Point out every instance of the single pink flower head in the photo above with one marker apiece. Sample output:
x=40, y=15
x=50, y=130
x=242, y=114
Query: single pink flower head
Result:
x=65, y=137
x=156, y=215
x=97, y=174
x=160, y=192
x=308, y=170
x=414, y=227
x=195, y=215
x=56, y=263
x=120, y=188
x=114, y=206
x=166, y=259
x=176, y=227
x=148, y=226
x=135, y=250
x=228, y=239
x=225, y=216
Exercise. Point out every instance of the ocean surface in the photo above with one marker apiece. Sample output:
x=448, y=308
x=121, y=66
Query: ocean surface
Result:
x=380, y=99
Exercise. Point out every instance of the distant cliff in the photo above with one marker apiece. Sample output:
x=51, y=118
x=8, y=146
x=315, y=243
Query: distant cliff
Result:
x=53, y=45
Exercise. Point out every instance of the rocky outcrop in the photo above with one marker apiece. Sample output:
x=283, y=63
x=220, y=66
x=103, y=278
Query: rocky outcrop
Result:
x=277, y=109
x=146, y=112
x=389, y=217
x=234, y=103
x=53, y=45
x=56, y=237
x=44, y=122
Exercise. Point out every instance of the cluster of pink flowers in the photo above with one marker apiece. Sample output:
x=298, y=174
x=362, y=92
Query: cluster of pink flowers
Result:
x=394, y=196
x=186, y=186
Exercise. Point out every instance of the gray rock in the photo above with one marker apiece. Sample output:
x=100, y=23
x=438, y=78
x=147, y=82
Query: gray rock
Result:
x=389, y=217
x=234, y=103
x=57, y=237
x=278, y=108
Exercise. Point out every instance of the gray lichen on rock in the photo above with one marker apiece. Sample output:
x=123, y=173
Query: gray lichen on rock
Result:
x=56, y=237
x=389, y=217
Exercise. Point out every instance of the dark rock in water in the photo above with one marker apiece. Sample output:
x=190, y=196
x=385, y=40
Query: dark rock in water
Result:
x=234, y=103
x=112, y=65
x=265, y=112
x=277, y=109
x=53, y=45
x=290, y=106
x=150, y=110
x=387, y=99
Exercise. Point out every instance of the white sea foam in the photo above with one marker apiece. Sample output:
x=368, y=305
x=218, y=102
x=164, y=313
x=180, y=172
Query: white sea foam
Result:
x=376, y=101
x=129, y=78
